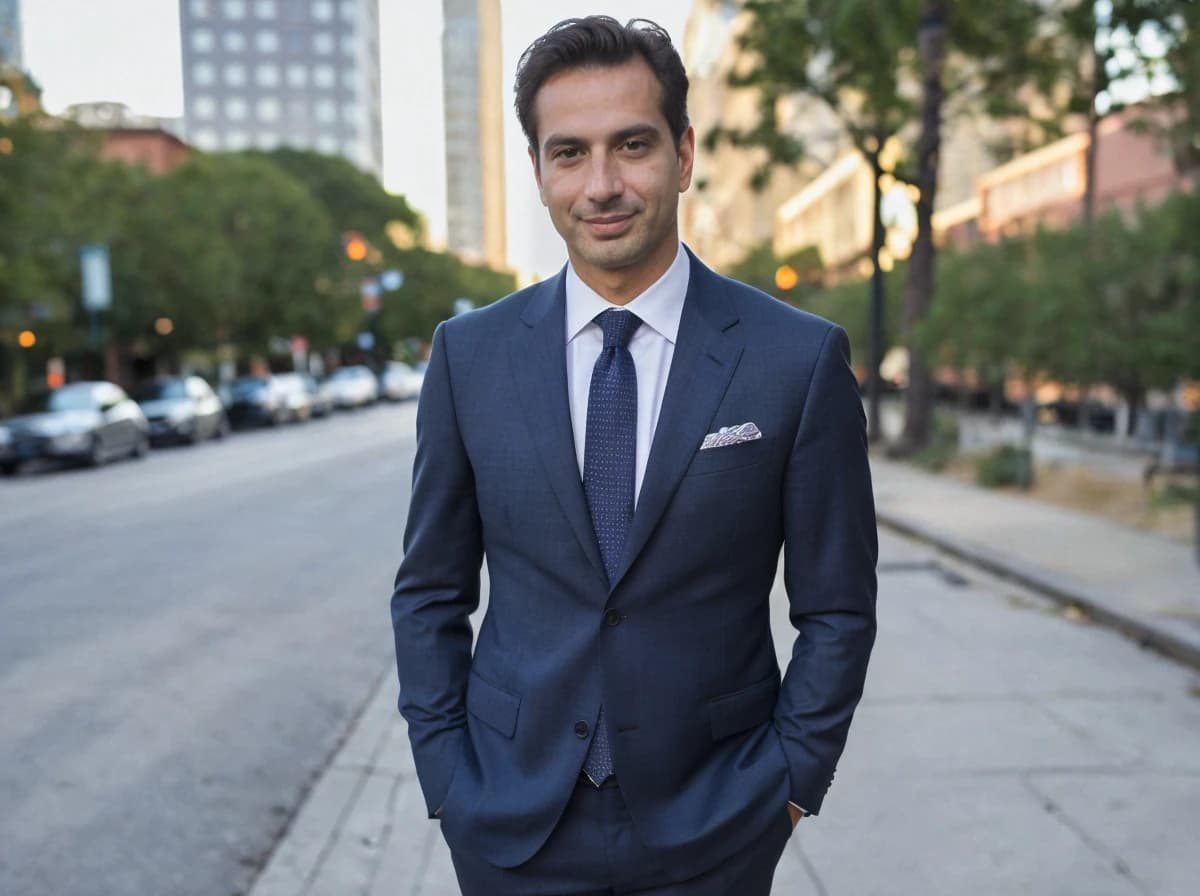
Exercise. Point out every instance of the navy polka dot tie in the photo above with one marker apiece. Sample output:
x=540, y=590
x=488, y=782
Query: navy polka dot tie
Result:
x=609, y=455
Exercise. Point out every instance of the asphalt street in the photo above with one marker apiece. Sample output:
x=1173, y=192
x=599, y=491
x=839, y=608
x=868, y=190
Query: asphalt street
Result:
x=184, y=642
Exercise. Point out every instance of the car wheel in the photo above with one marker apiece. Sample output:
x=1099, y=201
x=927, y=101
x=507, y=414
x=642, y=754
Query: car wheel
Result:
x=222, y=429
x=95, y=455
x=141, y=447
x=8, y=468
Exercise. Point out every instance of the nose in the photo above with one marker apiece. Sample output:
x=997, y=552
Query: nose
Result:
x=604, y=179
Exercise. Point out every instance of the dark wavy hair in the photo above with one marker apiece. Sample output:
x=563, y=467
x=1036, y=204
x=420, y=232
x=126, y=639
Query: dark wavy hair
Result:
x=597, y=41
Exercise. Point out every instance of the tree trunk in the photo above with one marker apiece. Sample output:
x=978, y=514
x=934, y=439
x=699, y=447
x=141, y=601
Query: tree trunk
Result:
x=878, y=235
x=1135, y=397
x=919, y=397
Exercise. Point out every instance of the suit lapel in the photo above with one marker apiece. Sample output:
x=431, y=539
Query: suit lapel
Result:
x=538, y=358
x=707, y=351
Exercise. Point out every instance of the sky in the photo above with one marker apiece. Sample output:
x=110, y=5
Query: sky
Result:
x=128, y=51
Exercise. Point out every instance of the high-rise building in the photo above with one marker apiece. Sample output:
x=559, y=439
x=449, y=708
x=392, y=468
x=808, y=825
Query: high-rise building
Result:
x=471, y=64
x=267, y=73
x=10, y=33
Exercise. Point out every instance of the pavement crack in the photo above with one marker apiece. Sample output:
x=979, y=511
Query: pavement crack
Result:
x=1060, y=814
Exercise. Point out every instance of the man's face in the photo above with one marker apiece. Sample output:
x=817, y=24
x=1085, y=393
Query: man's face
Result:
x=610, y=172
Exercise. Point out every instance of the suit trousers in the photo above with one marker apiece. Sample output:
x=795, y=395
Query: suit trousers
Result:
x=595, y=850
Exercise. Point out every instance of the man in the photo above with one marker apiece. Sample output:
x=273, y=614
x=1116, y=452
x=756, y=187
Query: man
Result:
x=630, y=444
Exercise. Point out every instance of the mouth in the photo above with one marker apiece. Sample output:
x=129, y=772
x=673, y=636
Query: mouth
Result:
x=608, y=225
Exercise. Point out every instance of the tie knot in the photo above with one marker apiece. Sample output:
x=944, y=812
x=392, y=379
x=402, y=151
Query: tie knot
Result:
x=618, y=327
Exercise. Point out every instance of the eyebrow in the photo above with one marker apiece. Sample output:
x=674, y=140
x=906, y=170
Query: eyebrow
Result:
x=554, y=141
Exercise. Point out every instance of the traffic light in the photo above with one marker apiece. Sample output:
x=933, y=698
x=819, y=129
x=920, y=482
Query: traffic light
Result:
x=355, y=246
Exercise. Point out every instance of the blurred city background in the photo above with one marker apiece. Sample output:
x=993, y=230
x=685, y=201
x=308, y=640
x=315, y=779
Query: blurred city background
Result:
x=238, y=222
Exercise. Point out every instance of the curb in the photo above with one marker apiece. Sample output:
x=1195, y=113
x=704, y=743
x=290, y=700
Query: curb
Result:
x=1062, y=591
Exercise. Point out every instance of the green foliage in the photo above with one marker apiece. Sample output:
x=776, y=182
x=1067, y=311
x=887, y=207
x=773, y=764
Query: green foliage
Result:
x=1117, y=303
x=1007, y=465
x=943, y=443
x=848, y=304
x=235, y=249
x=759, y=265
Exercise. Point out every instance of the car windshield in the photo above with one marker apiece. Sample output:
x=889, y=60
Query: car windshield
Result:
x=249, y=386
x=157, y=390
x=65, y=399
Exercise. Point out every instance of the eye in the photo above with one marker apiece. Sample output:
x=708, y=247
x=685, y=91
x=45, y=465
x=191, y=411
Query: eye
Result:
x=636, y=145
x=566, y=153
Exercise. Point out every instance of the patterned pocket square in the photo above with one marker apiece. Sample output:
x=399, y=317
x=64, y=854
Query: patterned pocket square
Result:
x=731, y=435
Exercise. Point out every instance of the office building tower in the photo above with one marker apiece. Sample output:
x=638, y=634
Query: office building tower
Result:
x=474, y=110
x=10, y=33
x=259, y=74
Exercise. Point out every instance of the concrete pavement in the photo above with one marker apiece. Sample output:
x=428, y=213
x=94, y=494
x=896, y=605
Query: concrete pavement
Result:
x=1143, y=584
x=1001, y=748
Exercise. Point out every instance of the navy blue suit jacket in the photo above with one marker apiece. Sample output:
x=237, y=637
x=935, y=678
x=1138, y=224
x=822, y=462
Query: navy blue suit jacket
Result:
x=708, y=743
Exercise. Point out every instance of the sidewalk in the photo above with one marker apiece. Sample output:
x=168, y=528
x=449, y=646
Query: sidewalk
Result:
x=1143, y=584
x=1000, y=748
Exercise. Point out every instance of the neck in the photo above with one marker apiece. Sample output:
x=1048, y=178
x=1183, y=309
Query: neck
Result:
x=621, y=286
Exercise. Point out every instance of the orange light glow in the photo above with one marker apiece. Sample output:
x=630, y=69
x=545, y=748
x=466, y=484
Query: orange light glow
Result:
x=27, y=339
x=786, y=277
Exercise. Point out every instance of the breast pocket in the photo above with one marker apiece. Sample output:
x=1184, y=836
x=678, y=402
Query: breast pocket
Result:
x=730, y=457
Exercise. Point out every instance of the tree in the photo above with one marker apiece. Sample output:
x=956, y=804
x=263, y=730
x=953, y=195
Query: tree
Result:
x=860, y=59
x=761, y=267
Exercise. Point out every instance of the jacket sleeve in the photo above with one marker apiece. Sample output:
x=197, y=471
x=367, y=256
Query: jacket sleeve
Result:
x=437, y=586
x=830, y=552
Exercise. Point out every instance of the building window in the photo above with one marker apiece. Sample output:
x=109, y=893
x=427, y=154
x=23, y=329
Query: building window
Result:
x=234, y=41
x=349, y=44
x=234, y=9
x=322, y=10
x=267, y=75
x=264, y=9
x=204, y=107
x=297, y=75
x=267, y=140
x=327, y=144
x=235, y=109
x=203, y=74
x=237, y=140
x=268, y=109
x=350, y=10
x=206, y=139
x=235, y=75
x=267, y=42
x=202, y=40
x=324, y=76
x=200, y=9
x=349, y=78
x=323, y=43
x=325, y=112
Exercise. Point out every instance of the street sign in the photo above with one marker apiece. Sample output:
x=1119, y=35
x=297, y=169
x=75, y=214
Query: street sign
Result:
x=391, y=280
x=97, y=279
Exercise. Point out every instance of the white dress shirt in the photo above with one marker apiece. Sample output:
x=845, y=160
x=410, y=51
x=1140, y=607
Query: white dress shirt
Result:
x=653, y=346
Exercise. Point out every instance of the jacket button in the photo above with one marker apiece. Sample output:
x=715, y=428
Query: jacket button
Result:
x=581, y=729
x=612, y=618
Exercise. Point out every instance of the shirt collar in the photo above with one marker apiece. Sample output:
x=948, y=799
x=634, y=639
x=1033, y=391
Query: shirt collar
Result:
x=660, y=307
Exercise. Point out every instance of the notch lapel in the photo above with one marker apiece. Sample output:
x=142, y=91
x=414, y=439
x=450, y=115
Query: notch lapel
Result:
x=538, y=358
x=707, y=351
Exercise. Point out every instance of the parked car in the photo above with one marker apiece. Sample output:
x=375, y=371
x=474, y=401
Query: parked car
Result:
x=181, y=409
x=296, y=397
x=354, y=386
x=257, y=401
x=319, y=394
x=400, y=382
x=90, y=422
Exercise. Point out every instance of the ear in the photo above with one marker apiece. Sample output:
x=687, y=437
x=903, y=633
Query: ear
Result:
x=687, y=156
x=537, y=173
